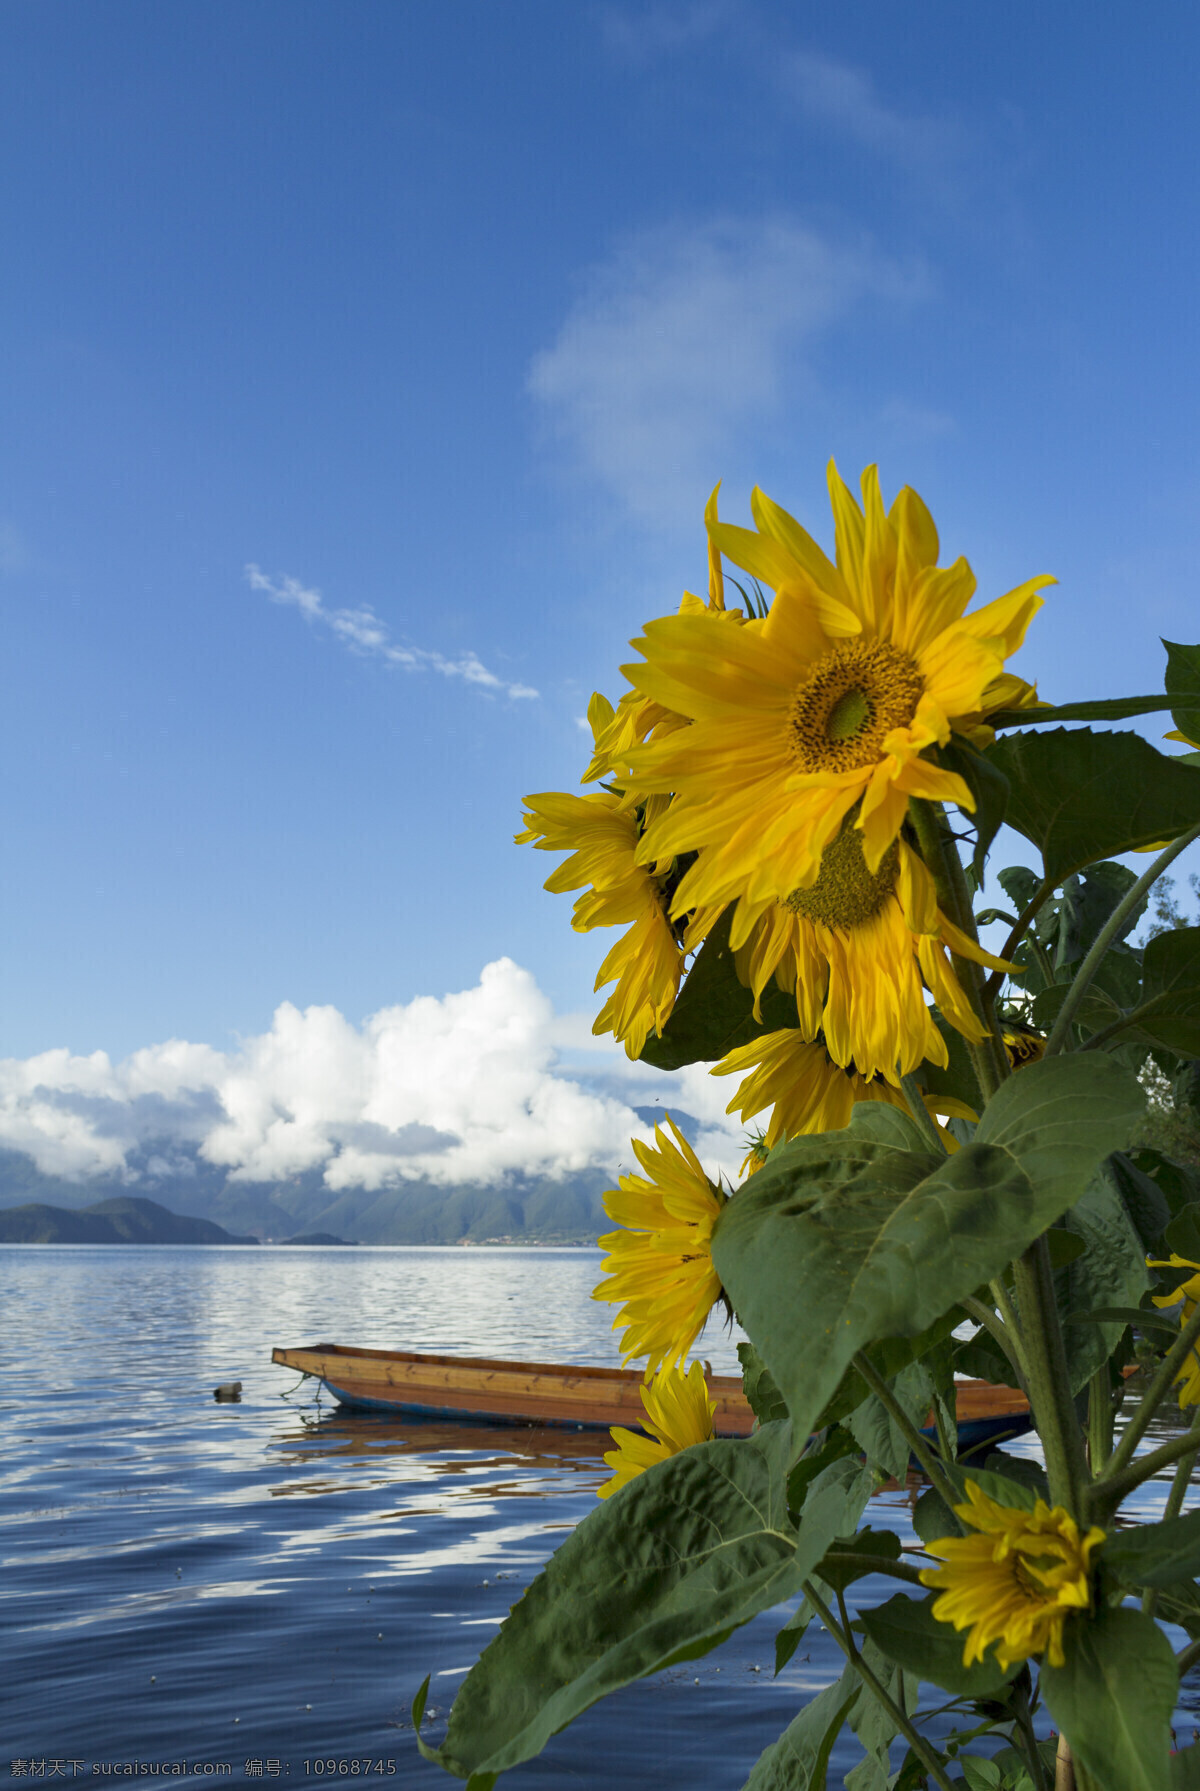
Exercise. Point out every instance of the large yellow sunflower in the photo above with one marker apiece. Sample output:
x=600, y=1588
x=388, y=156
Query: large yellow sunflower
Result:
x=1016, y=1582
x=679, y=1412
x=660, y=1265
x=830, y=704
x=859, y=949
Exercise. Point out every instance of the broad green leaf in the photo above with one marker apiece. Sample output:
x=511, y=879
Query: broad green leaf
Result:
x=1147, y=1205
x=714, y=1011
x=1126, y=1315
x=854, y=1557
x=659, y=1573
x=838, y=1241
x=1182, y=1235
x=1157, y=1554
x=1102, y=709
x=762, y=1395
x=958, y=1077
x=1081, y=796
x=1113, y=1698
x=872, y=1724
x=799, y=1760
x=888, y=1357
x=1169, y=1013
x=989, y=786
x=906, y=1630
x=792, y=1634
x=1095, y=1011
x=1178, y=1183
x=876, y=1431
x=880, y=1123
x=820, y=1453
x=1111, y=1272
x=1185, y=1769
x=980, y=1774
x=1060, y=1117
x=932, y=1519
x=1183, y=687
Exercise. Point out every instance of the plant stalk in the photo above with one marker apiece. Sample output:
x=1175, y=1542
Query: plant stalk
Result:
x=845, y=1642
x=1007, y=1338
x=928, y=1458
x=1021, y=926
x=1049, y=1380
x=1101, y=1419
x=1155, y=1393
x=1111, y=930
x=920, y=1115
x=1037, y=1765
x=1108, y=1493
x=1175, y=1498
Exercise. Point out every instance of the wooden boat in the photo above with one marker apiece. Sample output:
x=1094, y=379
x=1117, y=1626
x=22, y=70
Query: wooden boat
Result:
x=476, y=1387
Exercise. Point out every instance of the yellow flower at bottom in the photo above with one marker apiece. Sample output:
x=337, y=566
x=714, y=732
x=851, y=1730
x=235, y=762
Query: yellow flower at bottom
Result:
x=1016, y=1582
x=661, y=1264
x=679, y=1413
x=1188, y=1378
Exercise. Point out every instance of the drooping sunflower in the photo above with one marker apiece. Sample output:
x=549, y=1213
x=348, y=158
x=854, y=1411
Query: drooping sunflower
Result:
x=679, y=1412
x=1188, y=1378
x=660, y=1264
x=797, y=1076
x=1015, y=1583
x=600, y=831
x=1022, y=1045
x=831, y=704
x=858, y=949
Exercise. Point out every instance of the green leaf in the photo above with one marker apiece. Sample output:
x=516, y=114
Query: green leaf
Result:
x=714, y=1011
x=872, y=1723
x=1125, y=1315
x=799, y=1760
x=1113, y=1699
x=1183, y=687
x=854, y=1557
x=1178, y=1183
x=762, y=1395
x=1110, y=1273
x=1147, y=1205
x=819, y=1453
x=1081, y=796
x=659, y=1573
x=1169, y=1013
x=1182, y=1235
x=1060, y=1117
x=792, y=1634
x=1157, y=1554
x=882, y=1441
x=1102, y=709
x=1095, y=1011
x=933, y=1519
x=906, y=1630
x=1185, y=1769
x=839, y=1241
x=989, y=786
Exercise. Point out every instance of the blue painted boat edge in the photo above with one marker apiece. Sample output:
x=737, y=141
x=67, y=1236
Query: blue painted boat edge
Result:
x=362, y=1403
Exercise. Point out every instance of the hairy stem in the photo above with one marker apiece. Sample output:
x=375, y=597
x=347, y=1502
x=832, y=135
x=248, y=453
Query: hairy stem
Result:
x=845, y=1641
x=1049, y=1380
x=928, y=1458
x=1187, y=1657
x=1107, y=1494
x=921, y=1116
x=1004, y=1334
x=1111, y=930
x=1037, y=1766
x=897, y=1570
x=1175, y=1498
x=1021, y=926
x=1164, y=1377
x=1100, y=1420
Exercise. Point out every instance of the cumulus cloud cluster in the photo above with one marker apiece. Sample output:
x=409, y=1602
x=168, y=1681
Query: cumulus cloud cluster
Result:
x=470, y=1087
x=362, y=631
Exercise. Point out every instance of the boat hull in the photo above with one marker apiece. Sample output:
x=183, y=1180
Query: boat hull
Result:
x=477, y=1387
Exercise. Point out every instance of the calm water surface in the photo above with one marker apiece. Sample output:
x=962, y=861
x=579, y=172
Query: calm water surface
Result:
x=263, y=1586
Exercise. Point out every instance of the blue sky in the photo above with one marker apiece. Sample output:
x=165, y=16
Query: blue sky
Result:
x=446, y=319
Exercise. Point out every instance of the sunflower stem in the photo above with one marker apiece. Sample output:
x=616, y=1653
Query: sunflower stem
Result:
x=1118, y=1468
x=929, y=1459
x=1020, y=927
x=921, y=1115
x=1101, y=1419
x=1061, y=1030
x=1179, y=1486
x=1004, y=1335
x=1049, y=1379
x=1033, y=1757
x=845, y=1641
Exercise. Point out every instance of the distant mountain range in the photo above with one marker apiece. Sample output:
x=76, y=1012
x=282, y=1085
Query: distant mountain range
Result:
x=174, y=1177
x=126, y=1219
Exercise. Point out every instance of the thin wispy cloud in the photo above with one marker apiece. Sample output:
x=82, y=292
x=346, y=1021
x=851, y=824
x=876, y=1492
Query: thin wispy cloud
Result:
x=686, y=338
x=362, y=632
x=663, y=28
x=842, y=97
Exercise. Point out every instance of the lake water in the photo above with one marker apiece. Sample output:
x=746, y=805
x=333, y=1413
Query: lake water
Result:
x=258, y=1589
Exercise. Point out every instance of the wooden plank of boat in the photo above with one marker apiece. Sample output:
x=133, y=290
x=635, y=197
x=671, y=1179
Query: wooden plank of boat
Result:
x=545, y=1392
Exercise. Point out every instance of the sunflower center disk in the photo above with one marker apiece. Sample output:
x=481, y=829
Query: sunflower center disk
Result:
x=845, y=893
x=851, y=700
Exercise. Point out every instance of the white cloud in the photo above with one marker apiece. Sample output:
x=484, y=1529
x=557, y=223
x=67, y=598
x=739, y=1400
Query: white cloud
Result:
x=642, y=34
x=470, y=1087
x=362, y=631
x=843, y=98
x=688, y=335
